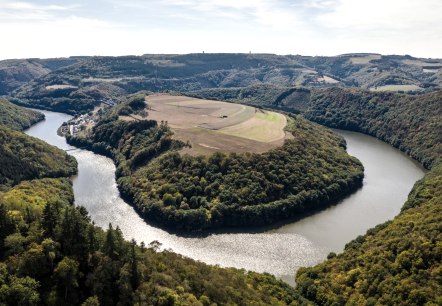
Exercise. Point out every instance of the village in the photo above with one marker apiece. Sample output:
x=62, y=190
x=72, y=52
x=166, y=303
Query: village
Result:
x=85, y=122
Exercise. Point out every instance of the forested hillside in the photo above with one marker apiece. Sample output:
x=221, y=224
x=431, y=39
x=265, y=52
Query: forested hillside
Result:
x=15, y=73
x=52, y=254
x=240, y=189
x=17, y=118
x=396, y=263
x=24, y=158
x=87, y=81
x=409, y=122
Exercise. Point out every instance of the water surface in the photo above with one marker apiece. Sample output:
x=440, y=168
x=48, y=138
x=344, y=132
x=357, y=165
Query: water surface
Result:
x=389, y=176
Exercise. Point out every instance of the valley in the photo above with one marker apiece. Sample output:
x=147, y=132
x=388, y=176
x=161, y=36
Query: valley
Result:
x=238, y=188
x=280, y=250
x=203, y=162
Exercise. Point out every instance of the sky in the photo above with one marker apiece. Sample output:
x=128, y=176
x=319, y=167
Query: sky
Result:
x=61, y=28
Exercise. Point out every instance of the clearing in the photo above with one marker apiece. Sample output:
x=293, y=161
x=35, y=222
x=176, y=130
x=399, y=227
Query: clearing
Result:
x=327, y=80
x=60, y=86
x=396, y=88
x=212, y=126
x=364, y=60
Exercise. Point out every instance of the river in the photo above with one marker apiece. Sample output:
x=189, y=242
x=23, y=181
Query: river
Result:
x=389, y=177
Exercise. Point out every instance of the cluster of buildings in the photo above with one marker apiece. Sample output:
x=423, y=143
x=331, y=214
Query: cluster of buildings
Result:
x=77, y=124
x=85, y=121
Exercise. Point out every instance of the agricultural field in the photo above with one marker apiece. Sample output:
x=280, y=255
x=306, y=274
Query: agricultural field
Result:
x=364, y=60
x=211, y=126
x=60, y=86
x=430, y=70
x=436, y=63
x=397, y=88
x=327, y=80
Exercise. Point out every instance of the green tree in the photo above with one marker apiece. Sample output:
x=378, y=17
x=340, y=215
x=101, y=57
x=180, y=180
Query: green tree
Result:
x=20, y=291
x=135, y=275
x=50, y=218
x=91, y=301
x=7, y=226
x=66, y=273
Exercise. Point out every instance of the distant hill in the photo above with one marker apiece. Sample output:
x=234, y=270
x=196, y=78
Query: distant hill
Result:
x=15, y=73
x=405, y=121
x=82, y=84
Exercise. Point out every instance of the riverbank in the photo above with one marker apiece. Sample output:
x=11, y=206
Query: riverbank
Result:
x=390, y=175
x=186, y=193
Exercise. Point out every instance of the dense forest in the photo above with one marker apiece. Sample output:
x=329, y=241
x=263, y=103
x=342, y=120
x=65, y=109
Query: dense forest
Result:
x=24, y=158
x=183, y=192
x=410, y=123
x=76, y=85
x=56, y=256
x=396, y=263
x=52, y=254
x=17, y=118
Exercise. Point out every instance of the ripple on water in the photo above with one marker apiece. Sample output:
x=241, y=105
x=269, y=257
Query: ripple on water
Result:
x=389, y=177
x=95, y=188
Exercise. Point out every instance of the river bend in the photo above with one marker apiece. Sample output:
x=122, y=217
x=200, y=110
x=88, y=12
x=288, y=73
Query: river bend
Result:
x=389, y=177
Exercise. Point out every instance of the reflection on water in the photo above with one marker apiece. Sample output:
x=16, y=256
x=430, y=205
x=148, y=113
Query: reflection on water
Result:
x=389, y=176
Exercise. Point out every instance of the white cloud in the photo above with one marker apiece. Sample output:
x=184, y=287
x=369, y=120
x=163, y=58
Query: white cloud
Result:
x=26, y=6
x=393, y=26
x=274, y=14
x=15, y=10
x=385, y=15
x=310, y=27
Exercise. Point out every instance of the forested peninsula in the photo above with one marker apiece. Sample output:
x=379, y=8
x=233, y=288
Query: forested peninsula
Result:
x=186, y=192
x=52, y=254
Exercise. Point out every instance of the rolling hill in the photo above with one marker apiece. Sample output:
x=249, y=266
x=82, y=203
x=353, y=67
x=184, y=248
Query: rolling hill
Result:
x=80, y=86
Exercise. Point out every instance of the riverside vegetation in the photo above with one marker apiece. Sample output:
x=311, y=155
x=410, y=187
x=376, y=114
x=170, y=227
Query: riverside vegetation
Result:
x=17, y=118
x=410, y=123
x=186, y=192
x=52, y=254
x=398, y=262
